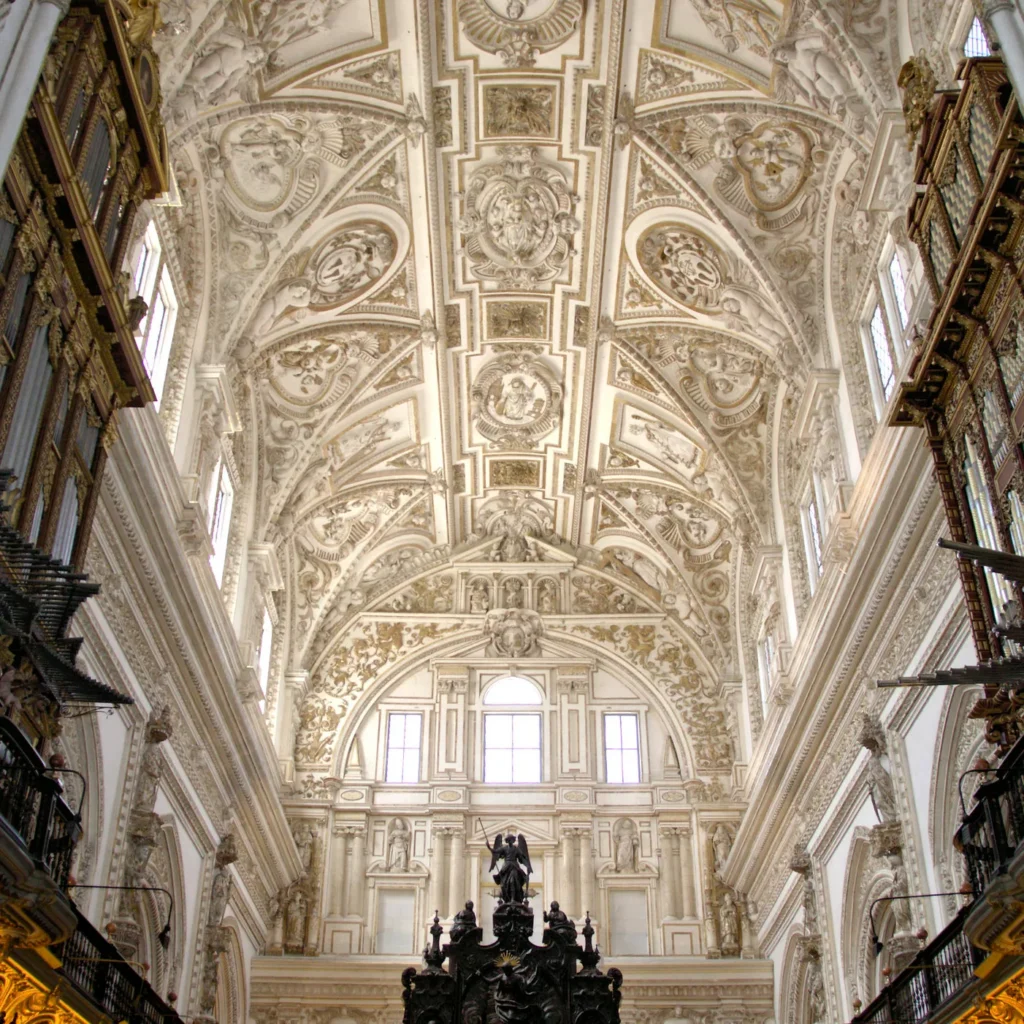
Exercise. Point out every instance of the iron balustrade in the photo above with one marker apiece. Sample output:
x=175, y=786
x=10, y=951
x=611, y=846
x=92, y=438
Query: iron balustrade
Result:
x=937, y=973
x=32, y=804
x=95, y=967
x=994, y=829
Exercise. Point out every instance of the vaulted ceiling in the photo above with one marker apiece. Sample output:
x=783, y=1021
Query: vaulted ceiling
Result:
x=518, y=300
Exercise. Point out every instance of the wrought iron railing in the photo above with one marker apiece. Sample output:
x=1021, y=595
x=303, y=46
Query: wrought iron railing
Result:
x=32, y=804
x=96, y=968
x=994, y=829
x=938, y=972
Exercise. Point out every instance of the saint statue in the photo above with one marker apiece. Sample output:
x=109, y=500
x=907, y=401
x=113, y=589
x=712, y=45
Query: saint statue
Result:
x=514, y=873
x=464, y=923
x=559, y=924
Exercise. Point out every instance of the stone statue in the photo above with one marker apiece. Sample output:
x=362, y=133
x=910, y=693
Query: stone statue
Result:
x=727, y=923
x=559, y=924
x=513, y=593
x=479, y=597
x=547, y=600
x=296, y=918
x=627, y=846
x=883, y=794
x=464, y=923
x=801, y=864
x=514, y=874
x=918, y=83
x=721, y=842
x=220, y=894
x=398, y=846
x=304, y=839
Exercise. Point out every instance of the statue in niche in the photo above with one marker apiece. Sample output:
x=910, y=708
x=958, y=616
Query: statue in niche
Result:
x=464, y=923
x=559, y=924
x=727, y=924
x=220, y=893
x=627, y=846
x=398, y=846
x=296, y=919
x=514, y=874
x=547, y=597
x=513, y=589
x=479, y=597
x=721, y=843
x=304, y=838
x=883, y=794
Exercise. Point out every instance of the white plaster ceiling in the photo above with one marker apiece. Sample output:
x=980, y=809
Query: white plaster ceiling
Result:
x=521, y=288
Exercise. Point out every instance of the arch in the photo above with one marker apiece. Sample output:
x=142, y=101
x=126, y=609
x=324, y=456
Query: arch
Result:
x=513, y=689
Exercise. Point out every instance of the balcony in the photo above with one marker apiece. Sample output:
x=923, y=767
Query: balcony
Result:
x=940, y=971
x=111, y=983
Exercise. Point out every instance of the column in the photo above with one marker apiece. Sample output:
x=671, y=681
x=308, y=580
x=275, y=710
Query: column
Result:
x=21, y=75
x=587, y=872
x=565, y=895
x=1008, y=28
x=434, y=887
x=336, y=904
x=457, y=889
x=293, y=686
x=357, y=878
x=685, y=861
x=669, y=867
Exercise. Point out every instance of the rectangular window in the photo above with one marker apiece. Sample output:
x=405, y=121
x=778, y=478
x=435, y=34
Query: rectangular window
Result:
x=159, y=332
x=883, y=357
x=511, y=748
x=767, y=665
x=622, y=748
x=899, y=289
x=403, y=755
x=814, y=537
x=222, y=498
x=263, y=658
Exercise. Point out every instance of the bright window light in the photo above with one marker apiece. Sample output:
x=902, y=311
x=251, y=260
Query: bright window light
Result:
x=976, y=44
x=883, y=358
x=899, y=288
x=622, y=748
x=511, y=748
x=403, y=755
x=513, y=690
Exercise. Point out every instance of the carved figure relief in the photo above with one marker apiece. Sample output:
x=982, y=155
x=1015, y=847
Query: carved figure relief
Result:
x=740, y=23
x=517, y=400
x=517, y=220
x=513, y=633
x=519, y=110
x=514, y=517
x=684, y=263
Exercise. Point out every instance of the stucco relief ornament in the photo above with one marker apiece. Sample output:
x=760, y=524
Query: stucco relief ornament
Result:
x=518, y=221
x=518, y=30
x=513, y=633
x=516, y=400
x=684, y=264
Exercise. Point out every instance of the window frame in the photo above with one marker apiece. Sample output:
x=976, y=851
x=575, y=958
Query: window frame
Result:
x=814, y=535
x=217, y=524
x=878, y=387
x=152, y=279
x=605, y=717
x=513, y=712
x=966, y=36
x=390, y=714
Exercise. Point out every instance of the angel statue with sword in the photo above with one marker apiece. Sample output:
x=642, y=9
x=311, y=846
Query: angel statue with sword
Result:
x=515, y=871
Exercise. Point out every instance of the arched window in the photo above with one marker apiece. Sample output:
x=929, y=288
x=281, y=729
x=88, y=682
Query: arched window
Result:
x=512, y=739
x=976, y=44
x=513, y=690
x=980, y=503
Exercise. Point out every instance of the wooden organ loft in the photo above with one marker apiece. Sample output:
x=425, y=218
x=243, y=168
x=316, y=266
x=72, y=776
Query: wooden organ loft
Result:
x=965, y=387
x=91, y=150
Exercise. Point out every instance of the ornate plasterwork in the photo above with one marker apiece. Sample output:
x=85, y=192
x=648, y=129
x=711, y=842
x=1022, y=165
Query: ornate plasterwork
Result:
x=518, y=31
x=517, y=401
x=517, y=219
